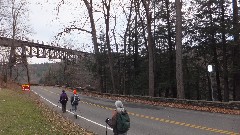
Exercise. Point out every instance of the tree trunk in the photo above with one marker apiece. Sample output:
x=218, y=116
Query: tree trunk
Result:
x=107, y=17
x=215, y=56
x=25, y=63
x=143, y=28
x=12, y=58
x=225, y=70
x=94, y=40
x=136, y=66
x=171, y=55
x=125, y=49
x=179, y=71
x=150, y=48
x=235, y=20
x=215, y=60
x=236, y=53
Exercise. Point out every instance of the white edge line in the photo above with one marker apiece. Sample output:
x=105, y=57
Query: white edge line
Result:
x=72, y=113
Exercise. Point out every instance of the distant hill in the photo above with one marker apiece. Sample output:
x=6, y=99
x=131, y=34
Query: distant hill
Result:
x=37, y=71
x=76, y=75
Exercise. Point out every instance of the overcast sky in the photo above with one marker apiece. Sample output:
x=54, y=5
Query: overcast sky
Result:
x=43, y=21
x=46, y=23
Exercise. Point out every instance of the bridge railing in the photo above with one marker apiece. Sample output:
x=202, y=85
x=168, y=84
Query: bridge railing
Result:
x=39, y=50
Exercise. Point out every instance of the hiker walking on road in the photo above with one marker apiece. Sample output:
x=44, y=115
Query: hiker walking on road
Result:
x=63, y=100
x=120, y=121
x=74, y=101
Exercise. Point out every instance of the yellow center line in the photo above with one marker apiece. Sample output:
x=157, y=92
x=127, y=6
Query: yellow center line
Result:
x=164, y=120
x=178, y=123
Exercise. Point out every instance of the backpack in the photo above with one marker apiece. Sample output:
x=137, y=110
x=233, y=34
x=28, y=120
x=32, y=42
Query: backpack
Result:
x=123, y=122
x=64, y=98
x=76, y=99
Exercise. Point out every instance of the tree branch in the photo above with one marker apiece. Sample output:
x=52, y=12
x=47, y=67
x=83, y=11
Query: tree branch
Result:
x=68, y=30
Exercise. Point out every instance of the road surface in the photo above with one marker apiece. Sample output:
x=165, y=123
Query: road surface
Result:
x=145, y=119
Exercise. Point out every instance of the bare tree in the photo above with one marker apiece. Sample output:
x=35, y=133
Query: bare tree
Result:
x=179, y=71
x=128, y=17
x=89, y=5
x=106, y=10
x=150, y=47
x=3, y=65
x=224, y=48
x=93, y=27
x=3, y=50
x=19, y=29
x=4, y=17
x=171, y=50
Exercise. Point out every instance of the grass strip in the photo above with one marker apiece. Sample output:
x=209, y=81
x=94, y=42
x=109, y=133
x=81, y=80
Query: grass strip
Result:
x=24, y=114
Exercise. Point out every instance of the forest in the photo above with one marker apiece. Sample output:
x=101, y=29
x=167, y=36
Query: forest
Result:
x=164, y=51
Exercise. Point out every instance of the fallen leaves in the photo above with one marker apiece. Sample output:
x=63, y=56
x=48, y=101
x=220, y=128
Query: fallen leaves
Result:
x=60, y=122
x=165, y=104
x=56, y=123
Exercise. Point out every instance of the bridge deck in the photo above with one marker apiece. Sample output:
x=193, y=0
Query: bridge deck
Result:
x=31, y=49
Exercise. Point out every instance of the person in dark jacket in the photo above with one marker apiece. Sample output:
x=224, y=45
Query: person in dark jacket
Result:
x=63, y=100
x=113, y=121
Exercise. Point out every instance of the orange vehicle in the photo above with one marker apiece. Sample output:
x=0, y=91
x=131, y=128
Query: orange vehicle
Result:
x=25, y=87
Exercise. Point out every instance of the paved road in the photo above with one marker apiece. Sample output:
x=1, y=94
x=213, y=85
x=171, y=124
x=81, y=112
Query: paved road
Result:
x=145, y=119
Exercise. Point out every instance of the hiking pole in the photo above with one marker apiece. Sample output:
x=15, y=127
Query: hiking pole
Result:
x=106, y=128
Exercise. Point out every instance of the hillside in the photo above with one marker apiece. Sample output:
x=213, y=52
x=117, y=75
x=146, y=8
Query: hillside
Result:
x=77, y=75
x=37, y=71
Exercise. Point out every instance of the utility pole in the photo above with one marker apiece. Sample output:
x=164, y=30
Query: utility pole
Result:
x=210, y=74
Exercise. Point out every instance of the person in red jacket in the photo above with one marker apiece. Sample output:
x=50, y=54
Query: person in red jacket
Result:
x=74, y=102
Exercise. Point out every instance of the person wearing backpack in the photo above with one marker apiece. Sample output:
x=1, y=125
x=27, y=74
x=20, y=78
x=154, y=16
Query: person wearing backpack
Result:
x=120, y=121
x=74, y=102
x=63, y=100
